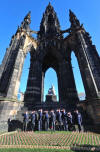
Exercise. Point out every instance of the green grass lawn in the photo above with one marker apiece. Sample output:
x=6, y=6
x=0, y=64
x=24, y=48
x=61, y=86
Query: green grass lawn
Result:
x=2, y=132
x=31, y=150
x=37, y=150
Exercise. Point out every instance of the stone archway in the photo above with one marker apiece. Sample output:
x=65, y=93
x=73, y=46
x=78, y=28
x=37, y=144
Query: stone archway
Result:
x=50, y=82
x=40, y=62
x=49, y=61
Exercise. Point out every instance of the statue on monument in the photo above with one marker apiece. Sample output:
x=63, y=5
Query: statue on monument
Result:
x=51, y=96
x=51, y=90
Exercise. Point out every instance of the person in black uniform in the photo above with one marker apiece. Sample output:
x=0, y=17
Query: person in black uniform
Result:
x=46, y=120
x=33, y=118
x=70, y=121
x=40, y=115
x=78, y=120
x=53, y=120
x=64, y=120
x=59, y=119
x=10, y=125
x=25, y=121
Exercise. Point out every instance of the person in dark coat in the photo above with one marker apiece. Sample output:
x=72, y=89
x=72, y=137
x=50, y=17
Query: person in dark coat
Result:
x=59, y=119
x=78, y=120
x=25, y=121
x=33, y=118
x=10, y=126
x=70, y=120
x=40, y=115
x=46, y=120
x=64, y=120
x=53, y=120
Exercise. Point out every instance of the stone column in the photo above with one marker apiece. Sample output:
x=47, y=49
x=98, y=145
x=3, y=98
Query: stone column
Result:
x=7, y=65
x=13, y=88
x=13, y=43
x=42, y=87
x=66, y=84
x=34, y=84
x=88, y=62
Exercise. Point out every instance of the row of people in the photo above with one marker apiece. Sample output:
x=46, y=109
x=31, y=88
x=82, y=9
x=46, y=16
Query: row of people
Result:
x=51, y=119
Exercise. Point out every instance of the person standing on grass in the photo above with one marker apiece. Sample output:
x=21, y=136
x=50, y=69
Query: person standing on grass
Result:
x=70, y=120
x=33, y=118
x=59, y=119
x=53, y=120
x=46, y=120
x=40, y=115
x=25, y=121
x=64, y=119
x=78, y=120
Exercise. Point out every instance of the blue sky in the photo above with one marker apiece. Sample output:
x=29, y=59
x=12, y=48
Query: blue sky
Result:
x=12, y=13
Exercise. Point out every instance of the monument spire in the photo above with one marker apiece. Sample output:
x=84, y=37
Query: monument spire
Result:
x=49, y=3
x=49, y=25
x=26, y=22
x=74, y=21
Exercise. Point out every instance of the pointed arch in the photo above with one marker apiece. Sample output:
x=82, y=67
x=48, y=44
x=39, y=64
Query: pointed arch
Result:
x=24, y=75
x=49, y=79
x=77, y=77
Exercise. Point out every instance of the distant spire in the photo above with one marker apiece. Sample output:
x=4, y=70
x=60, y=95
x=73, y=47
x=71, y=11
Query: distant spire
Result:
x=73, y=19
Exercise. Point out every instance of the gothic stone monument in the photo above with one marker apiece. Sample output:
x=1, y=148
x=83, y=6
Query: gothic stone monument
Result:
x=50, y=49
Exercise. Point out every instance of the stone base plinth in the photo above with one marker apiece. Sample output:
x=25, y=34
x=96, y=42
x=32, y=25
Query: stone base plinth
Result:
x=93, y=109
x=51, y=98
x=8, y=109
x=91, y=114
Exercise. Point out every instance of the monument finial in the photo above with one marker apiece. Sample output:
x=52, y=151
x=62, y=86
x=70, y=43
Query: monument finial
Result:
x=26, y=22
x=73, y=19
x=49, y=3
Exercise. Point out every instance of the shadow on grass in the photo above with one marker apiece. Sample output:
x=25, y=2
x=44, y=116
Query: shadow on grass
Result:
x=85, y=148
x=15, y=125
